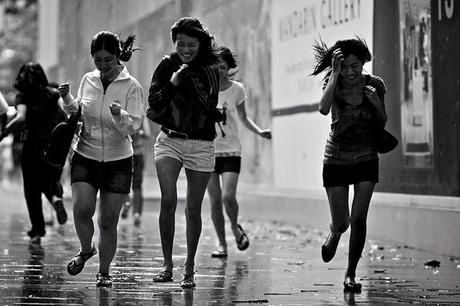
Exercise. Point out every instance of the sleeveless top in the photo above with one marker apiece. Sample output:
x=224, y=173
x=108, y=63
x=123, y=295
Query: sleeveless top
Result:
x=352, y=135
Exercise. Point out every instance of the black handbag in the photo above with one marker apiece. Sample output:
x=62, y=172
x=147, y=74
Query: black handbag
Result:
x=61, y=140
x=385, y=141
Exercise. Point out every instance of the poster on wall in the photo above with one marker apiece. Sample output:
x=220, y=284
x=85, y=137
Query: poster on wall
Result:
x=416, y=89
x=296, y=25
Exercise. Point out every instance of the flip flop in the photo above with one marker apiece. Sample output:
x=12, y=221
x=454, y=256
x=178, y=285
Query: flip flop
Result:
x=73, y=268
x=163, y=277
x=349, y=285
x=188, y=281
x=219, y=253
x=243, y=242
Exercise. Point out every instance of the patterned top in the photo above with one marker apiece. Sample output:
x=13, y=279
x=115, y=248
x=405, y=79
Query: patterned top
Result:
x=352, y=135
x=189, y=107
x=227, y=142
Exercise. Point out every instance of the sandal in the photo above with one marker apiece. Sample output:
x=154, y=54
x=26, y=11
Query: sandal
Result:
x=188, y=281
x=219, y=253
x=243, y=242
x=73, y=268
x=163, y=277
x=103, y=280
x=350, y=285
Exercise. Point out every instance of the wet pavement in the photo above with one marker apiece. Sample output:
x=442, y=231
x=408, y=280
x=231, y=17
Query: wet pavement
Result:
x=282, y=266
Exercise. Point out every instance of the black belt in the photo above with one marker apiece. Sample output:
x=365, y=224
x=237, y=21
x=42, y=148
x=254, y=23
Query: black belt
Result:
x=174, y=134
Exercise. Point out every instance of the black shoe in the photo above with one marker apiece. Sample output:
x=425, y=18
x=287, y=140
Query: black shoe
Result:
x=330, y=247
x=61, y=214
x=125, y=210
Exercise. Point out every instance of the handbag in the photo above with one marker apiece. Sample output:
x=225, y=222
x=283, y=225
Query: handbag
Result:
x=61, y=140
x=385, y=141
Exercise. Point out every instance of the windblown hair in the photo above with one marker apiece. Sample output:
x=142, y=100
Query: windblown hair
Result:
x=192, y=27
x=31, y=77
x=110, y=42
x=323, y=54
x=226, y=55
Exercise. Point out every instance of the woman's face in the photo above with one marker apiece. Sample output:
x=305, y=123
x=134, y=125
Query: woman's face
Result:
x=351, y=69
x=223, y=67
x=106, y=62
x=187, y=47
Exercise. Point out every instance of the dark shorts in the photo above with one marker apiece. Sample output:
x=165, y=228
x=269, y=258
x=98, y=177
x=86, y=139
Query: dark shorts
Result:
x=113, y=176
x=227, y=164
x=344, y=175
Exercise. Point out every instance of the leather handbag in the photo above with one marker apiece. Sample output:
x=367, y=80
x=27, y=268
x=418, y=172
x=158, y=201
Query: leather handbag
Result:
x=385, y=141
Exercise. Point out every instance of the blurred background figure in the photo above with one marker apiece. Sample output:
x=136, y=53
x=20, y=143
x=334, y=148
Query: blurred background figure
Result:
x=38, y=112
x=135, y=198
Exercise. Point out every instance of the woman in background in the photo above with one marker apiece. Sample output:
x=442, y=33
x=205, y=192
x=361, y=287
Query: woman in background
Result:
x=232, y=98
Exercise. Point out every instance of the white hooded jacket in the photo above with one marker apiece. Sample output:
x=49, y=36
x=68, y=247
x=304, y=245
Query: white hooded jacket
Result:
x=105, y=137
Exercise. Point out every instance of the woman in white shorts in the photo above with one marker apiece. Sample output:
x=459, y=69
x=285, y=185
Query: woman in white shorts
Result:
x=183, y=99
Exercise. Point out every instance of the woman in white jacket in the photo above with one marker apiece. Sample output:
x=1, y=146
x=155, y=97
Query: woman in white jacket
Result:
x=112, y=107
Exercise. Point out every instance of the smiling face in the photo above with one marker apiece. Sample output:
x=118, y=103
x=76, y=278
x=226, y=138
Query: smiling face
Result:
x=351, y=69
x=106, y=63
x=187, y=47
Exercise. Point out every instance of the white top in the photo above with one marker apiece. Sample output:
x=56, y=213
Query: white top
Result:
x=229, y=145
x=105, y=137
x=3, y=105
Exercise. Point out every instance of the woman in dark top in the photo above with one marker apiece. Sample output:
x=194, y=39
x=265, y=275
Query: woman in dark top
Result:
x=38, y=112
x=183, y=98
x=356, y=101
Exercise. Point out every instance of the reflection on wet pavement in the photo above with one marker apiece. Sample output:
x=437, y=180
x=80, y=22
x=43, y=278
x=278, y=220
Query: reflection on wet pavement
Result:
x=282, y=267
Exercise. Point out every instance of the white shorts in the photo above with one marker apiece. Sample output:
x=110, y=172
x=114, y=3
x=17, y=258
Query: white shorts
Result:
x=197, y=155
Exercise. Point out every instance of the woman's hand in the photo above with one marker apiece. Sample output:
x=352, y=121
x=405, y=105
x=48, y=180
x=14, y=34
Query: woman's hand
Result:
x=64, y=89
x=115, y=108
x=175, y=78
x=266, y=134
x=371, y=94
x=337, y=59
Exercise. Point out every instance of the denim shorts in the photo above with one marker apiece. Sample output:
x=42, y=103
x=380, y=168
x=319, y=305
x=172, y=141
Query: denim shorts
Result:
x=113, y=176
x=194, y=154
x=344, y=175
x=227, y=164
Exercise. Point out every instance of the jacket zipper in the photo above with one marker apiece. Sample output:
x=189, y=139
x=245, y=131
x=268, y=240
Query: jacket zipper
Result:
x=102, y=123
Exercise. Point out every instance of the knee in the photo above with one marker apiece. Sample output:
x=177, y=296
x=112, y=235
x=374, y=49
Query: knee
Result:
x=168, y=204
x=192, y=213
x=358, y=223
x=229, y=199
x=80, y=213
x=341, y=227
x=107, y=224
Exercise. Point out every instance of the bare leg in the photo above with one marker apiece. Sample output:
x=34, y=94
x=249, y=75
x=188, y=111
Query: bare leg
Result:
x=340, y=215
x=109, y=211
x=217, y=213
x=196, y=187
x=229, y=184
x=360, y=208
x=168, y=171
x=84, y=205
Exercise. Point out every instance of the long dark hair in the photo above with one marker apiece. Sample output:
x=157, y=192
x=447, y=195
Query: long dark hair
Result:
x=323, y=54
x=227, y=56
x=192, y=26
x=31, y=77
x=110, y=42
